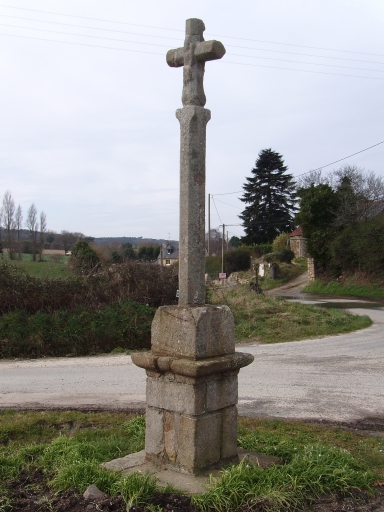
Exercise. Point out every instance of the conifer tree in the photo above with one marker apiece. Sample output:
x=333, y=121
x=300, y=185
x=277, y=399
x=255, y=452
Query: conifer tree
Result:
x=270, y=198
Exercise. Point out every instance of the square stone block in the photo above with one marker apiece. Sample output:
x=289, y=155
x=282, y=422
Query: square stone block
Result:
x=199, y=442
x=221, y=391
x=171, y=395
x=154, y=433
x=194, y=332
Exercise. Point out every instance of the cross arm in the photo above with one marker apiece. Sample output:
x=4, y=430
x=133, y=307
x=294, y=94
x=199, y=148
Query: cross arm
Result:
x=175, y=58
x=209, y=50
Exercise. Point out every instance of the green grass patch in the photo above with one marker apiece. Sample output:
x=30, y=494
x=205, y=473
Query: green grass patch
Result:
x=273, y=320
x=69, y=447
x=352, y=290
x=46, y=268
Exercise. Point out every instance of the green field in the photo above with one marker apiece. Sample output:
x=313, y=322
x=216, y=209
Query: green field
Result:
x=47, y=268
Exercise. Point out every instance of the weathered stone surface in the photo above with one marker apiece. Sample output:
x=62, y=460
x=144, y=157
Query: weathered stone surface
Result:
x=190, y=368
x=193, y=120
x=221, y=392
x=199, y=442
x=93, y=493
x=193, y=332
x=193, y=56
x=176, y=396
x=229, y=433
x=154, y=432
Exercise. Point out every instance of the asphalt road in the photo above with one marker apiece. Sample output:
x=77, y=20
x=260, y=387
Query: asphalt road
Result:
x=337, y=378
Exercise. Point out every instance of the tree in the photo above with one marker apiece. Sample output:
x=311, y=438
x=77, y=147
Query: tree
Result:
x=270, y=195
x=319, y=206
x=19, y=223
x=84, y=259
x=9, y=222
x=43, y=229
x=32, y=226
x=235, y=241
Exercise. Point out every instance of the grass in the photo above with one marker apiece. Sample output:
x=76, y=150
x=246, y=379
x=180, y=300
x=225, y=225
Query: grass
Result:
x=41, y=268
x=287, y=272
x=273, y=320
x=352, y=290
x=69, y=447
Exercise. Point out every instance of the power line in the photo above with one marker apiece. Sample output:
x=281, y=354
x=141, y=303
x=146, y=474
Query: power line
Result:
x=88, y=28
x=341, y=159
x=178, y=30
x=237, y=207
x=167, y=46
x=300, y=70
x=227, y=193
x=88, y=18
x=178, y=39
x=81, y=44
x=216, y=210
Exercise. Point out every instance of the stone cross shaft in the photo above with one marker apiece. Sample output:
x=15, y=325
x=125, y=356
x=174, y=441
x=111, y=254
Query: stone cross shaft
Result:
x=193, y=118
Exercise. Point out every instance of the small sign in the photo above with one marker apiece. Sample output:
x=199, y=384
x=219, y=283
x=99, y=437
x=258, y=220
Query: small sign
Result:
x=222, y=275
x=177, y=293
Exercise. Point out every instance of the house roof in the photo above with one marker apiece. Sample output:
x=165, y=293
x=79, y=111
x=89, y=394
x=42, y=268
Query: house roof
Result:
x=169, y=251
x=297, y=232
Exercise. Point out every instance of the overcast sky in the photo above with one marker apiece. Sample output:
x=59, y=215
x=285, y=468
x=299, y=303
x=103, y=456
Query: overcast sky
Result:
x=88, y=129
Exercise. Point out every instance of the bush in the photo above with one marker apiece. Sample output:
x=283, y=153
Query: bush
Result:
x=359, y=248
x=143, y=283
x=77, y=332
x=284, y=256
x=281, y=242
x=84, y=259
x=236, y=261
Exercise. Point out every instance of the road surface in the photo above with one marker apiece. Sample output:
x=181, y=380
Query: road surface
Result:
x=336, y=378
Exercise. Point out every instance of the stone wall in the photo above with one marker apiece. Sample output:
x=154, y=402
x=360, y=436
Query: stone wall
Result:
x=311, y=270
x=298, y=246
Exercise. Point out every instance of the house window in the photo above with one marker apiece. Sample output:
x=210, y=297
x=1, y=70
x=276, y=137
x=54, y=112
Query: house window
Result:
x=167, y=262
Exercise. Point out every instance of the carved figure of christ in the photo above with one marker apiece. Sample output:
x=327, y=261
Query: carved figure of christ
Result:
x=193, y=56
x=193, y=119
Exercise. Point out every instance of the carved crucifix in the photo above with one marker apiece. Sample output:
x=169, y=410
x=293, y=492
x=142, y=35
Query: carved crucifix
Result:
x=193, y=120
x=193, y=56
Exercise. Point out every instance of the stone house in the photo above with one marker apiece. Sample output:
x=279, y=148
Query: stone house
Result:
x=298, y=243
x=169, y=254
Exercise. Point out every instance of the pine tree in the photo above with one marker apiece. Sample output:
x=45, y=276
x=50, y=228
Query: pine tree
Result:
x=270, y=195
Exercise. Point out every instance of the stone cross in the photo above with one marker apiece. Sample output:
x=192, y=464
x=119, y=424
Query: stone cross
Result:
x=193, y=120
x=191, y=415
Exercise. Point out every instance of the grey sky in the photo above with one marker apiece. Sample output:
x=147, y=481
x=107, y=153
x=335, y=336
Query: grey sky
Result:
x=90, y=136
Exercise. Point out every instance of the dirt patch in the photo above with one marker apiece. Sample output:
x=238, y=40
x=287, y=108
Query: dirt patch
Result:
x=30, y=493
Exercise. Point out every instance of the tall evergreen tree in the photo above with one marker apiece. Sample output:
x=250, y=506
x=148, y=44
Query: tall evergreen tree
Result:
x=270, y=195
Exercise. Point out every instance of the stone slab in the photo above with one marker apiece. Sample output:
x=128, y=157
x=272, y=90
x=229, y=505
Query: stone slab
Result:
x=190, y=367
x=188, y=484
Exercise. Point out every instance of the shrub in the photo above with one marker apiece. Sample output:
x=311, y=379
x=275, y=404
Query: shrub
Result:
x=281, y=242
x=284, y=256
x=142, y=283
x=235, y=261
x=77, y=332
x=84, y=259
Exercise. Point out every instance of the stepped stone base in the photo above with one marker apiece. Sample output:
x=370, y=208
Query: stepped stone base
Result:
x=191, y=416
x=189, y=484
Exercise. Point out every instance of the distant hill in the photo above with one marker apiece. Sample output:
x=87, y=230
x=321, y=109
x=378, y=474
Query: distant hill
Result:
x=135, y=241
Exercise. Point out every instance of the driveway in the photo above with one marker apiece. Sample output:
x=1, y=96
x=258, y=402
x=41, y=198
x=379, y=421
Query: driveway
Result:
x=336, y=378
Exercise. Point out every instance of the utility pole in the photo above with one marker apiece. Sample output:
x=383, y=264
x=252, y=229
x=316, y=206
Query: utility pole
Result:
x=209, y=224
x=222, y=249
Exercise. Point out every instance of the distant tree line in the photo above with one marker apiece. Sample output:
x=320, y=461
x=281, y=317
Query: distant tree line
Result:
x=11, y=228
